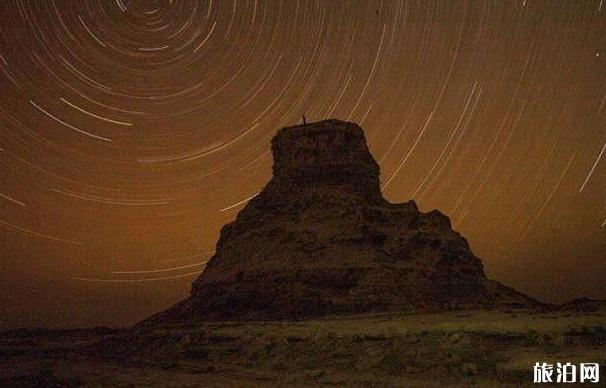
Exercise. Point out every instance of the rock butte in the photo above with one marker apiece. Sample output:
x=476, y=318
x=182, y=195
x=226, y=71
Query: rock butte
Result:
x=320, y=240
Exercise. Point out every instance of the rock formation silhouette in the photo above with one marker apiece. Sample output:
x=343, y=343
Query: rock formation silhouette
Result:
x=320, y=240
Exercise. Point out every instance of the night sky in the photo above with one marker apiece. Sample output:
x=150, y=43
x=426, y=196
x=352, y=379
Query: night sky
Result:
x=132, y=131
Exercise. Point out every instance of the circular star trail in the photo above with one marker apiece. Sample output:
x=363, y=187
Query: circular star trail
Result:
x=131, y=131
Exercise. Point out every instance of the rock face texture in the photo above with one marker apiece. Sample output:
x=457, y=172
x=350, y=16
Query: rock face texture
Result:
x=321, y=240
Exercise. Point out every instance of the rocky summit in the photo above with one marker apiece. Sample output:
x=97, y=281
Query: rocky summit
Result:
x=321, y=240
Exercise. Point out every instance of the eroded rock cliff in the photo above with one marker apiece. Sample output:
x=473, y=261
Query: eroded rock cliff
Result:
x=321, y=240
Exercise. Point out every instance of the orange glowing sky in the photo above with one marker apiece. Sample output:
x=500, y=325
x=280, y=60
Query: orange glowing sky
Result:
x=131, y=131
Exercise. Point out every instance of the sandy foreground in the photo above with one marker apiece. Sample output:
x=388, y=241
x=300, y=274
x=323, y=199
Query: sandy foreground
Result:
x=464, y=348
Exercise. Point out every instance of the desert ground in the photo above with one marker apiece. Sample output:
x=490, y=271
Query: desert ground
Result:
x=455, y=348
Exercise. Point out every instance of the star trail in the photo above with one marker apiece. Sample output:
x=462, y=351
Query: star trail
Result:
x=132, y=131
